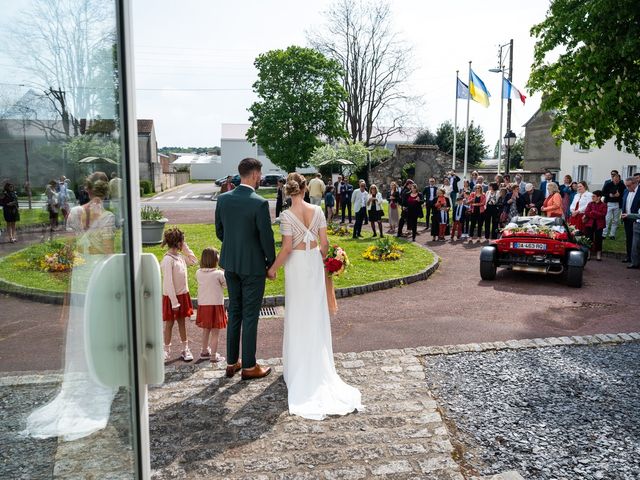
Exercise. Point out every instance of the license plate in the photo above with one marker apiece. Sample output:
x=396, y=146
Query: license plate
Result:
x=530, y=246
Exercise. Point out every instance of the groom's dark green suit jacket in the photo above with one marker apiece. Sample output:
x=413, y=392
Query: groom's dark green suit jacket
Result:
x=243, y=224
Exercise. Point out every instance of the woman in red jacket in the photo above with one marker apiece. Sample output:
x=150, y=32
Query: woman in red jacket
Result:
x=594, y=222
x=477, y=201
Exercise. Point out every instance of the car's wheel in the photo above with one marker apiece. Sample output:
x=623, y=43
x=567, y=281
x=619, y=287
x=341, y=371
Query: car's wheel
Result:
x=574, y=276
x=487, y=270
x=488, y=263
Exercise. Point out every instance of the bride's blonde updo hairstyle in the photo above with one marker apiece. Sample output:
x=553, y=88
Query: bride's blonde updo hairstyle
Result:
x=296, y=184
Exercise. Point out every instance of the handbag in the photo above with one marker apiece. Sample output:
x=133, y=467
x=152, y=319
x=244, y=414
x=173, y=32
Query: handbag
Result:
x=504, y=217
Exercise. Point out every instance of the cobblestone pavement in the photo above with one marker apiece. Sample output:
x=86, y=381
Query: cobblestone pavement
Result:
x=105, y=454
x=206, y=426
x=563, y=412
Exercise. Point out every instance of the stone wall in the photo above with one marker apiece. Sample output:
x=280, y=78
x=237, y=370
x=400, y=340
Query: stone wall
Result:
x=540, y=149
x=428, y=159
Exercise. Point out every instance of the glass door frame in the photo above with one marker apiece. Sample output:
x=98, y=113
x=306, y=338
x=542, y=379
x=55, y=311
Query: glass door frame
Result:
x=133, y=240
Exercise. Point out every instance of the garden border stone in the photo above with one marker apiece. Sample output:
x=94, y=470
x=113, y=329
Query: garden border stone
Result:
x=57, y=298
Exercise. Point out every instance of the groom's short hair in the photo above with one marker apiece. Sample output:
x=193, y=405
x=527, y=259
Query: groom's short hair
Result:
x=248, y=165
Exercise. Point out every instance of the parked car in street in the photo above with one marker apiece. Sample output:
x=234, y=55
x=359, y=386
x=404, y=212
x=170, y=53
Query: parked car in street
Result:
x=536, y=244
x=271, y=180
x=234, y=179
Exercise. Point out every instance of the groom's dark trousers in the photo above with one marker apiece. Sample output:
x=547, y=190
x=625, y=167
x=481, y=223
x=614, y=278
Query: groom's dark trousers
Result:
x=245, y=301
x=243, y=224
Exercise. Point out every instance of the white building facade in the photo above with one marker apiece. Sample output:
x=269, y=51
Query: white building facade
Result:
x=235, y=146
x=594, y=165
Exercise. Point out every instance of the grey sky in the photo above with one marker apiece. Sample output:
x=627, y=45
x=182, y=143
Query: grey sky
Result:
x=194, y=58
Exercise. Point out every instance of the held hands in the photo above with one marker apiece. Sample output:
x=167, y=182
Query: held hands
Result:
x=271, y=274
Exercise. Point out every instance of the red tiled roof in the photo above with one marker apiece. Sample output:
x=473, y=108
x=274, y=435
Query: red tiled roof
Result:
x=145, y=126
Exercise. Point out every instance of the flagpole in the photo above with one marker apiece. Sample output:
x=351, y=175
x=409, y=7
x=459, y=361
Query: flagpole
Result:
x=466, y=133
x=455, y=125
x=501, y=109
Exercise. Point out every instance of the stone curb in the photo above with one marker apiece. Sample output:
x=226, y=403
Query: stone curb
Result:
x=578, y=340
x=278, y=300
x=33, y=294
x=357, y=360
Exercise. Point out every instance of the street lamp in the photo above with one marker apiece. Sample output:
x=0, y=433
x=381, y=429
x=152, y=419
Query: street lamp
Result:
x=509, y=141
x=505, y=49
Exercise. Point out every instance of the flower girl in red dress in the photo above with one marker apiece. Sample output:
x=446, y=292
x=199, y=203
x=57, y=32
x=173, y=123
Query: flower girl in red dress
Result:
x=211, y=315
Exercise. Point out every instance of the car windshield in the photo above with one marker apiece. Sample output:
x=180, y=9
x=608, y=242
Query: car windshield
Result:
x=536, y=220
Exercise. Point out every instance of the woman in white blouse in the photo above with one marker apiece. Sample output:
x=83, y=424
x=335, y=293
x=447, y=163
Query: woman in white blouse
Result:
x=374, y=205
x=579, y=204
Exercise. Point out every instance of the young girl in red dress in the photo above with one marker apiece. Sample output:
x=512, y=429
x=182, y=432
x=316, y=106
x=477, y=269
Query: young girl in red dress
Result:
x=176, y=302
x=211, y=315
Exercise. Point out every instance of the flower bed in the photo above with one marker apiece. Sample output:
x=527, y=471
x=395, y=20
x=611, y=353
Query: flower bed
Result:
x=339, y=230
x=384, y=250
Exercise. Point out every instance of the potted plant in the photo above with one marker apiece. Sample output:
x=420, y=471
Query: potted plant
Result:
x=153, y=222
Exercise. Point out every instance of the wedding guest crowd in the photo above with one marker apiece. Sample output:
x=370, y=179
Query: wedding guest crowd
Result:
x=476, y=210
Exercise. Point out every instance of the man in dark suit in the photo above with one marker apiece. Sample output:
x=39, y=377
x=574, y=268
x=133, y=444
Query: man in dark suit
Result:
x=453, y=182
x=403, y=203
x=630, y=204
x=243, y=225
x=430, y=195
x=279, y=197
x=548, y=178
x=532, y=200
x=346, y=191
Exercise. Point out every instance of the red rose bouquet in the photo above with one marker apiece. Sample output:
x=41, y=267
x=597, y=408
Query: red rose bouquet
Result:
x=336, y=260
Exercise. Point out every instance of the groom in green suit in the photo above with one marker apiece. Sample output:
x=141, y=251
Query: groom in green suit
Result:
x=243, y=225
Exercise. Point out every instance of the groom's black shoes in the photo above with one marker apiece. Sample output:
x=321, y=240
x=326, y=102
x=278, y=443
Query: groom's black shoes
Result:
x=232, y=369
x=255, y=372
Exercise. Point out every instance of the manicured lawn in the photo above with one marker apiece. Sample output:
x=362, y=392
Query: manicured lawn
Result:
x=35, y=216
x=270, y=193
x=618, y=245
x=17, y=268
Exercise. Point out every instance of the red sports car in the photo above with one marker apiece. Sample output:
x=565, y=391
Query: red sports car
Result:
x=536, y=244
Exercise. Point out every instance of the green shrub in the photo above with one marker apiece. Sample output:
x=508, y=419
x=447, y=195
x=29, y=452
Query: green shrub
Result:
x=147, y=186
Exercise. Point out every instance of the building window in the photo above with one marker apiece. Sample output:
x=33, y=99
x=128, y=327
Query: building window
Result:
x=261, y=152
x=629, y=171
x=582, y=173
x=579, y=149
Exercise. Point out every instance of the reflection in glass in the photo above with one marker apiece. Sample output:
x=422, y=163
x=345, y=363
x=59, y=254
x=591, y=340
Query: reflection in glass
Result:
x=60, y=140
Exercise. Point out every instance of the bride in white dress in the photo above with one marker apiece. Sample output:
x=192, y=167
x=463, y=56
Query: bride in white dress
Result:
x=314, y=388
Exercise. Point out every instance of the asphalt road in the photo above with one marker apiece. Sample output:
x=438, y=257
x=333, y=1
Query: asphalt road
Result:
x=190, y=196
x=454, y=306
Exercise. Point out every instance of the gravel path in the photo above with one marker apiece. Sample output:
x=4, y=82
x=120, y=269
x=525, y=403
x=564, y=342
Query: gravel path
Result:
x=549, y=413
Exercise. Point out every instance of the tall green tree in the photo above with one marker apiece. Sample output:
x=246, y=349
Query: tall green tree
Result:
x=299, y=93
x=443, y=138
x=592, y=86
x=425, y=137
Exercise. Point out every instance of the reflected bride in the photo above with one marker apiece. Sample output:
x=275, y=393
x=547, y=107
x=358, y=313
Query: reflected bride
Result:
x=83, y=404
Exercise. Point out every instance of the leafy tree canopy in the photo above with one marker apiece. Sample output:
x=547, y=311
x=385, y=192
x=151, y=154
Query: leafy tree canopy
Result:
x=443, y=138
x=299, y=93
x=592, y=87
x=425, y=137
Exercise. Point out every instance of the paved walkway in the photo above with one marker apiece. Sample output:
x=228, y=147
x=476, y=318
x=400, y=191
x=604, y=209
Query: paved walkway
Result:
x=206, y=426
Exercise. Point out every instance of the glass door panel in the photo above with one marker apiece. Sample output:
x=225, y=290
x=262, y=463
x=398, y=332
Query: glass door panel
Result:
x=72, y=399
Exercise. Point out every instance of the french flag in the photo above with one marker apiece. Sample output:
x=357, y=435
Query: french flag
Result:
x=509, y=91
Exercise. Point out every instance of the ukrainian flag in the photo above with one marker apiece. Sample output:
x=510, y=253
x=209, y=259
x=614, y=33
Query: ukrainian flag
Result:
x=478, y=91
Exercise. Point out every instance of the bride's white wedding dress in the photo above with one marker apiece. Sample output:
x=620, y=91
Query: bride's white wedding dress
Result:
x=314, y=388
x=83, y=404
